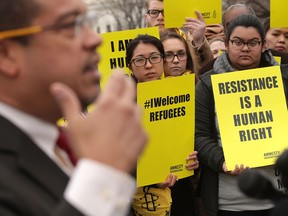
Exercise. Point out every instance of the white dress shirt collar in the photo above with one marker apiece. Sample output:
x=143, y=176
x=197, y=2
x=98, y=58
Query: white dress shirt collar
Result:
x=43, y=134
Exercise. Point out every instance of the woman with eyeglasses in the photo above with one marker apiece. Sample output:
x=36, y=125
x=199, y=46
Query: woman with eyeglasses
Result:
x=178, y=59
x=145, y=57
x=276, y=38
x=178, y=62
x=245, y=42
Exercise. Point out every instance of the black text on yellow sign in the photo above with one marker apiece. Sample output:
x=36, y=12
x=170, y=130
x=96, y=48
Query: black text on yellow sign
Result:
x=247, y=102
x=120, y=46
x=166, y=101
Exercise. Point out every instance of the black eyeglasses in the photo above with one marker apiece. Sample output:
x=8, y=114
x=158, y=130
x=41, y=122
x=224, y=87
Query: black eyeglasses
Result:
x=153, y=59
x=239, y=44
x=155, y=13
x=76, y=25
x=169, y=56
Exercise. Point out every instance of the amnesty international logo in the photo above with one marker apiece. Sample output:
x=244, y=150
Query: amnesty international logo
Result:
x=274, y=154
x=176, y=168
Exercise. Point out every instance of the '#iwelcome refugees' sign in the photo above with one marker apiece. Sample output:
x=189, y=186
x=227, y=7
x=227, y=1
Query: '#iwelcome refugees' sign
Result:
x=169, y=116
x=252, y=116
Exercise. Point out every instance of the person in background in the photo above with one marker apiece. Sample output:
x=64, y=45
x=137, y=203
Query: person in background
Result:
x=198, y=45
x=238, y=9
x=234, y=11
x=178, y=62
x=217, y=46
x=231, y=13
x=216, y=38
x=276, y=38
x=48, y=68
x=155, y=14
x=218, y=186
x=145, y=56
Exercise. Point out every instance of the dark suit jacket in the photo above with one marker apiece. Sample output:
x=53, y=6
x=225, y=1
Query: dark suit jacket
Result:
x=31, y=184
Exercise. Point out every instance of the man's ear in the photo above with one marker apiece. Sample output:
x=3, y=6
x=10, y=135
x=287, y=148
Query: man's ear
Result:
x=8, y=65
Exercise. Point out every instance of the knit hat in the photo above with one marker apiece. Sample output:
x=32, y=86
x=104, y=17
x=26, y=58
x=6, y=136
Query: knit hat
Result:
x=213, y=31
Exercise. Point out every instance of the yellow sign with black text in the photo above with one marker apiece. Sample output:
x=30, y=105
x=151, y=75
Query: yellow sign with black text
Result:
x=113, y=50
x=175, y=13
x=278, y=14
x=252, y=116
x=169, y=116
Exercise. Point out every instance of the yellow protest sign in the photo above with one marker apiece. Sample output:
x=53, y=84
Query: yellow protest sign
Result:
x=169, y=110
x=252, y=116
x=278, y=16
x=175, y=14
x=113, y=50
x=278, y=59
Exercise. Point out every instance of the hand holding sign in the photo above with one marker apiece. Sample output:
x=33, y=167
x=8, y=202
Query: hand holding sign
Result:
x=197, y=28
x=252, y=114
x=237, y=170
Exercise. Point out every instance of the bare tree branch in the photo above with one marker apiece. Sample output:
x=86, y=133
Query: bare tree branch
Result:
x=129, y=14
